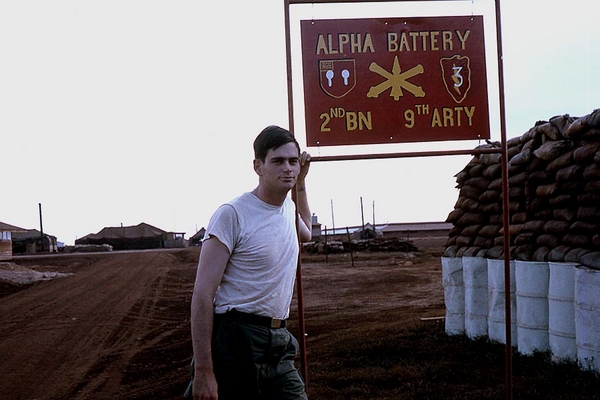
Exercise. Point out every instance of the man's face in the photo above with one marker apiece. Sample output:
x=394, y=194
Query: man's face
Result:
x=280, y=169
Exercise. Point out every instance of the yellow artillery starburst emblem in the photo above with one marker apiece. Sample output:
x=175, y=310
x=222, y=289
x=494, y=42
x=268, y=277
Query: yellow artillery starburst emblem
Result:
x=396, y=81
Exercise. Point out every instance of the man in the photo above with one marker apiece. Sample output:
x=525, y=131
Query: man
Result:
x=245, y=281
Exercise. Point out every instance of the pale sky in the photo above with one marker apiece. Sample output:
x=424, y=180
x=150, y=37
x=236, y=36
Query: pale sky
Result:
x=129, y=111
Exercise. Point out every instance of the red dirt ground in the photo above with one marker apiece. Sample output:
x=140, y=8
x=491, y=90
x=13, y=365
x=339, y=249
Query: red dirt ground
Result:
x=118, y=328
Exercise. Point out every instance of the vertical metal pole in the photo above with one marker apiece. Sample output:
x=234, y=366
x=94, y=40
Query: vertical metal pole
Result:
x=299, y=289
x=325, y=248
x=350, y=245
x=374, y=230
x=362, y=216
x=505, y=206
x=41, y=226
x=332, y=219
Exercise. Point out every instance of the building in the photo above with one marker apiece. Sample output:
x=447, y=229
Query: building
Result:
x=26, y=241
x=5, y=245
x=138, y=237
x=404, y=230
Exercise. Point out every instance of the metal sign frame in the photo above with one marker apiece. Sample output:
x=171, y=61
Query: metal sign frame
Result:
x=504, y=160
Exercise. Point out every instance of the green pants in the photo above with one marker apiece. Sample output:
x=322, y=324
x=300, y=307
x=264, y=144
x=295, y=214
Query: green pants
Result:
x=252, y=361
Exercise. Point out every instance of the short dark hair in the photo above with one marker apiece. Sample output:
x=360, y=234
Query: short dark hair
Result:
x=272, y=137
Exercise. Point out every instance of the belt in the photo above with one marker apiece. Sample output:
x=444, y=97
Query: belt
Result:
x=254, y=319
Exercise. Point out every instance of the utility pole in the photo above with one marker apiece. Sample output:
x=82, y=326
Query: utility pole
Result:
x=332, y=219
x=362, y=214
x=41, y=226
x=374, y=230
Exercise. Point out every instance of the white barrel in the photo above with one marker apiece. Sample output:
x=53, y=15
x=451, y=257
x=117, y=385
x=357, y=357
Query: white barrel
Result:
x=454, y=295
x=532, y=279
x=561, y=311
x=587, y=317
x=476, y=296
x=497, y=302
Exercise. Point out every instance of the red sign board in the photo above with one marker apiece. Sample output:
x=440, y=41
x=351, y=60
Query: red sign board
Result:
x=394, y=80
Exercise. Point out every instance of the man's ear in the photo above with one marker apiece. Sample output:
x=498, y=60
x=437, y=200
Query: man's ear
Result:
x=258, y=166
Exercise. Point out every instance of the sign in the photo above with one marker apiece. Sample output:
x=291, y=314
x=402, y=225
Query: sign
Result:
x=394, y=80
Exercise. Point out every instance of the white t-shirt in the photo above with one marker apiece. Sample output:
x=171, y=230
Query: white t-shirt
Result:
x=263, y=246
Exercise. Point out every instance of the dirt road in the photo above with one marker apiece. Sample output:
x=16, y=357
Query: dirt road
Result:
x=117, y=328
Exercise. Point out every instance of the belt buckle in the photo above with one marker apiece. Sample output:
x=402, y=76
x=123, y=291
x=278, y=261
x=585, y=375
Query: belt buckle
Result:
x=275, y=323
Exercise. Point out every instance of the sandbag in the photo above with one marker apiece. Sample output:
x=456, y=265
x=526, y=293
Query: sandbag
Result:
x=574, y=255
x=490, y=231
x=519, y=218
x=551, y=150
x=594, y=118
x=588, y=199
x=496, y=252
x=576, y=240
x=464, y=241
x=572, y=186
x=461, y=177
x=491, y=208
x=470, y=205
x=479, y=182
x=471, y=219
x=492, y=171
x=495, y=184
x=546, y=190
x=588, y=214
x=470, y=251
x=471, y=230
x=585, y=153
x=492, y=159
x=569, y=173
x=470, y=192
x=454, y=216
x=559, y=253
x=533, y=226
x=536, y=164
x=591, y=259
x=546, y=240
x=523, y=253
x=564, y=214
x=592, y=172
x=562, y=200
x=521, y=158
x=577, y=127
x=540, y=177
x=592, y=187
x=562, y=122
x=514, y=142
x=550, y=131
x=525, y=238
x=540, y=254
x=543, y=214
x=561, y=162
x=483, y=242
x=556, y=227
x=490, y=196
x=518, y=179
x=450, y=251
x=584, y=227
x=591, y=134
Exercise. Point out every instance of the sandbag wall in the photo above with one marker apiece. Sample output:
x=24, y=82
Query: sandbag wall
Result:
x=554, y=212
